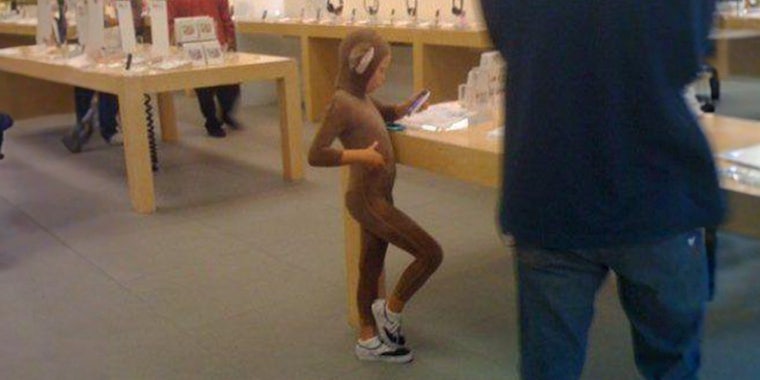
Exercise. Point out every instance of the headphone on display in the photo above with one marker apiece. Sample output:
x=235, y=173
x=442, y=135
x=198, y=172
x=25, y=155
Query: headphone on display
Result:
x=372, y=10
x=411, y=10
x=458, y=11
x=333, y=9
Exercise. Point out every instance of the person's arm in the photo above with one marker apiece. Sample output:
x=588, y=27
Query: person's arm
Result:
x=227, y=24
x=680, y=30
x=322, y=153
x=389, y=112
x=393, y=112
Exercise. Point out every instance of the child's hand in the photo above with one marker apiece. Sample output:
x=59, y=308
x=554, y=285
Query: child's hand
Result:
x=403, y=108
x=371, y=157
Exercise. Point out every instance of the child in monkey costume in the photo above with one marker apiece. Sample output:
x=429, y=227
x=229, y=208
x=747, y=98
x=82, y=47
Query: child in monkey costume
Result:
x=359, y=122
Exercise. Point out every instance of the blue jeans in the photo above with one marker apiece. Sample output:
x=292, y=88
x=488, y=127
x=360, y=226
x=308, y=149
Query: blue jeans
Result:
x=108, y=107
x=662, y=287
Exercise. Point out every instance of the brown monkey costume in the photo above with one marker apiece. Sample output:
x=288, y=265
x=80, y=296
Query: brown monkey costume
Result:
x=358, y=121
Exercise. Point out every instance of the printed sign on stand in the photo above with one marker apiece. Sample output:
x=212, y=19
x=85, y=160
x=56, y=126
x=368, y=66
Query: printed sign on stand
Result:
x=44, y=22
x=195, y=52
x=80, y=14
x=126, y=25
x=213, y=52
x=159, y=28
x=96, y=38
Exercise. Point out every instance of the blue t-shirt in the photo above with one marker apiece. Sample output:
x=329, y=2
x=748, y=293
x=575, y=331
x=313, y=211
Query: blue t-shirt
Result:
x=600, y=147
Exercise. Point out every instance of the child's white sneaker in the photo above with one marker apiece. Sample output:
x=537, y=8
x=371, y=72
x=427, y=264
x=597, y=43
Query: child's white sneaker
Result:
x=388, y=324
x=376, y=350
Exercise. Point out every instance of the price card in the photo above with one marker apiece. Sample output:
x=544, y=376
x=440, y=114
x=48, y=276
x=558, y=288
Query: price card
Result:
x=126, y=25
x=44, y=22
x=159, y=28
x=96, y=38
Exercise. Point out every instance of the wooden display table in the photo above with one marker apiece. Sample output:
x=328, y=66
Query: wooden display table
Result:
x=130, y=86
x=41, y=97
x=441, y=57
x=471, y=155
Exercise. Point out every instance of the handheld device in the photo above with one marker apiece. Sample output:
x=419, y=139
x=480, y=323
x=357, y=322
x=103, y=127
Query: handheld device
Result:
x=418, y=102
x=129, y=62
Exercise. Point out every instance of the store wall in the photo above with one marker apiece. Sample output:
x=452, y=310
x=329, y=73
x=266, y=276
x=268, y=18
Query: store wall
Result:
x=292, y=8
x=400, y=75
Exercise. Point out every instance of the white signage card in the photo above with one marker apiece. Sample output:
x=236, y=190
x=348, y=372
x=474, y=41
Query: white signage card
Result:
x=159, y=28
x=80, y=13
x=186, y=30
x=206, y=28
x=96, y=37
x=126, y=25
x=213, y=52
x=44, y=22
x=195, y=52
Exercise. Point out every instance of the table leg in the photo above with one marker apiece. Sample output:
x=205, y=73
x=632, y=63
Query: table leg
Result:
x=167, y=117
x=136, y=152
x=352, y=232
x=291, y=124
x=321, y=63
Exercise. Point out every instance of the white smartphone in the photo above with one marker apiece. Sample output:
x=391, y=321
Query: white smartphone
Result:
x=421, y=99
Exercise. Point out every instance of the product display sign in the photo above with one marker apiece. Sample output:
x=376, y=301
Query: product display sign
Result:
x=186, y=30
x=159, y=28
x=195, y=53
x=126, y=25
x=44, y=22
x=80, y=14
x=96, y=38
x=213, y=52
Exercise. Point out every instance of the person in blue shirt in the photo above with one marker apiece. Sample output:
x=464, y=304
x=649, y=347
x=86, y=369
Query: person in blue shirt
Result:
x=606, y=169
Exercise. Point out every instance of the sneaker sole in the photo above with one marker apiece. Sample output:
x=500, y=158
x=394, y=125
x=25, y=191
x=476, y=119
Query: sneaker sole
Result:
x=387, y=359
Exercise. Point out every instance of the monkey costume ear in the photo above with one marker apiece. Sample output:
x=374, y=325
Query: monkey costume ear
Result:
x=364, y=63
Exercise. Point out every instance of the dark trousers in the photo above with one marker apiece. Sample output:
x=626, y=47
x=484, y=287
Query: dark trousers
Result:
x=108, y=107
x=227, y=96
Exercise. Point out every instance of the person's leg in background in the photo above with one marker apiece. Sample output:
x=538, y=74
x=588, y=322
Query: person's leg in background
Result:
x=108, y=107
x=74, y=139
x=208, y=109
x=556, y=292
x=664, y=289
x=82, y=102
x=228, y=99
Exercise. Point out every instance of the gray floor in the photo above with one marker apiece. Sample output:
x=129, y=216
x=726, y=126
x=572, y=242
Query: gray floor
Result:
x=241, y=276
